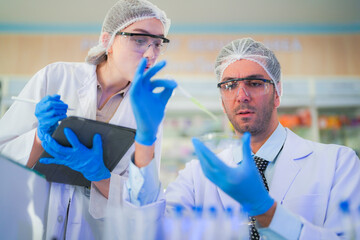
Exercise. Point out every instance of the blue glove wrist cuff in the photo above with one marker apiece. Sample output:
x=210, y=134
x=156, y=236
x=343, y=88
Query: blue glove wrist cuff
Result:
x=99, y=175
x=41, y=133
x=261, y=208
x=144, y=140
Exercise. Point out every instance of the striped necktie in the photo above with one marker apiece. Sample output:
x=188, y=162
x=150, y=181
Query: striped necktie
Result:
x=261, y=164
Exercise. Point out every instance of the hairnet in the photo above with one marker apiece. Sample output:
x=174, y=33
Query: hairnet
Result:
x=120, y=16
x=247, y=48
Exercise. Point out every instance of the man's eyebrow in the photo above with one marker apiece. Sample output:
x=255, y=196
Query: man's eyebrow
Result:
x=249, y=76
x=256, y=76
x=227, y=78
x=146, y=32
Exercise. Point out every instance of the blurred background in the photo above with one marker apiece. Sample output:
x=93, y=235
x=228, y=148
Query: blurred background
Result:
x=317, y=43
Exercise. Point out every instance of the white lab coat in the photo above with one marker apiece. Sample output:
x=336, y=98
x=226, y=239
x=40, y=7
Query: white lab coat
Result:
x=77, y=85
x=310, y=180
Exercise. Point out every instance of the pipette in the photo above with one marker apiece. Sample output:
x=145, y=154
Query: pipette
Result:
x=196, y=102
x=27, y=100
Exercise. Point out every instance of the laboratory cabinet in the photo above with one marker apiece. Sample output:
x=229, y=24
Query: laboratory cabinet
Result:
x=324, y=109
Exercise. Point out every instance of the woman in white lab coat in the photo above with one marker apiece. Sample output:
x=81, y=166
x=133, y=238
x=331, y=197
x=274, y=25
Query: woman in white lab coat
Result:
x=97, y=90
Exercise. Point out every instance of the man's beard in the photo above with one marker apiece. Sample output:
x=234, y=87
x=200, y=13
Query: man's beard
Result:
x=262, y=118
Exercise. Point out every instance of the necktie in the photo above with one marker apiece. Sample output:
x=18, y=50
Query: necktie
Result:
x=261, y=164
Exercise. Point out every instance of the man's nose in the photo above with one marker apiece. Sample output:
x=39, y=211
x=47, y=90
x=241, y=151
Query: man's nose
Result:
x=242, y=94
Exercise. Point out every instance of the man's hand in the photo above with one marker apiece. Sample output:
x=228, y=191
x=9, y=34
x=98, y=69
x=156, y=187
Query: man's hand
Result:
x=242, y=183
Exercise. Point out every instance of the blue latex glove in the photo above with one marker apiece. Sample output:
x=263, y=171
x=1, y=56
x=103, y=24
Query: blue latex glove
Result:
x=49, y=111
x=149, y=107
x=243, y=183
x=78, y=157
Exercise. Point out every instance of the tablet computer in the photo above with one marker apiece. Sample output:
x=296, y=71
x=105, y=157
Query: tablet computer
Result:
x=116, y=141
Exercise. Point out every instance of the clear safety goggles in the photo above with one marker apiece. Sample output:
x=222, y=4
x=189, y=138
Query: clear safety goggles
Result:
x=141, y=42
x=251, y=87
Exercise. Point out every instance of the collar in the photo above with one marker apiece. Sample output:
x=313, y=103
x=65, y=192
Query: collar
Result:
x=123, y=91
x=270, y=149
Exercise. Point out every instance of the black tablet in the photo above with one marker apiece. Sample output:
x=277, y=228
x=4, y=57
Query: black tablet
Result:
x=116, y=142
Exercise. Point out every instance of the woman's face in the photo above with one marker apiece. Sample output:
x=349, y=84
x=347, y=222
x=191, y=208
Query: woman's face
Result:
x=123, y=58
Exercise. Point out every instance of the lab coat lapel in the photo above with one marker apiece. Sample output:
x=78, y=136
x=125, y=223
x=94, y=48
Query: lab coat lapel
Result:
x=88, y=95
x=288, y=165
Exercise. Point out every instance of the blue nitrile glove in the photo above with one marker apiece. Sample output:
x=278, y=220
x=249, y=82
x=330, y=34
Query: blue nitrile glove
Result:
x=149, y=107
x=78, y=157
x=243, y=183
x=49, y=111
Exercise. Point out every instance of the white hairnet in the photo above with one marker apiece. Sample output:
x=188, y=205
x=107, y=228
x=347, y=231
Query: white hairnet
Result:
x=247, y=48
x=121, y=15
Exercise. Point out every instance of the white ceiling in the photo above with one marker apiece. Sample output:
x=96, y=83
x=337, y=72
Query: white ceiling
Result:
x=188, y=12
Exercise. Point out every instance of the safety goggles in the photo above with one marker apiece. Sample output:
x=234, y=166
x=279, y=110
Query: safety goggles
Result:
x=251, y=86
x=141, y=42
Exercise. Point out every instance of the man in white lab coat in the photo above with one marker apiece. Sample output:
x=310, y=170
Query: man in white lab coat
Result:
x=306, y=180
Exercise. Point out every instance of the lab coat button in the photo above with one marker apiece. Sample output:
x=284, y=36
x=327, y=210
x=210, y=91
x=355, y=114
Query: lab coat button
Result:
x=60, y=218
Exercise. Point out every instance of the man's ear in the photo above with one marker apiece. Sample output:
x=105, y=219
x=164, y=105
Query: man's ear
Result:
x=222, y=104
x=276, y=100
x=105, y=39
